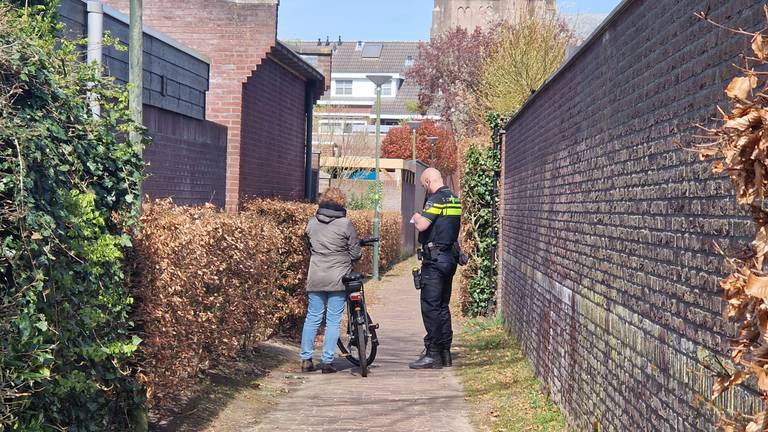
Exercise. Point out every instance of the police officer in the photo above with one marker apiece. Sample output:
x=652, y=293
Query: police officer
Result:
x=438, y=225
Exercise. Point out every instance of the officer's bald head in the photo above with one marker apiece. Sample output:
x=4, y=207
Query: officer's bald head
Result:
x=431, y=180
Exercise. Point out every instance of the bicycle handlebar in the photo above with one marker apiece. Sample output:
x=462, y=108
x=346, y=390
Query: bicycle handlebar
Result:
x=368, y=241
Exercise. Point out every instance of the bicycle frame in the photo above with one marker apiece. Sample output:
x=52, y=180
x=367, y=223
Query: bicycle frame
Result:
x=362, y=334
x=357, y=312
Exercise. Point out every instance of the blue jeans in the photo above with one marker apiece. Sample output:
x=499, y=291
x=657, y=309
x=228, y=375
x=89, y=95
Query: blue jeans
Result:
x=318, y=302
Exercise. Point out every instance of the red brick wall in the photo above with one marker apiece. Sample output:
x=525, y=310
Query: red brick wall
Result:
x=236, y=37
x=272, y=155
x=187, y=159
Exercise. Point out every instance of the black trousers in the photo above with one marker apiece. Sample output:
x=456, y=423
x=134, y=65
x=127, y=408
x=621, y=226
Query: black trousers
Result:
x=436, y=283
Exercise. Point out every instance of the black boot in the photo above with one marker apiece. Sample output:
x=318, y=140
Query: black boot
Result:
x=328, y=368
x=307, y=366
x=445, y=356
x=430, y=360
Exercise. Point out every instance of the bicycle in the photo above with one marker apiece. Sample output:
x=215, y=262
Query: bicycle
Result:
x=359, y=344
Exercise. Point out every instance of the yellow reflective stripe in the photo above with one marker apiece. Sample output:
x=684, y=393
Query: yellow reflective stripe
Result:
x=433, y=210
x=440, y=206
x=452, y=212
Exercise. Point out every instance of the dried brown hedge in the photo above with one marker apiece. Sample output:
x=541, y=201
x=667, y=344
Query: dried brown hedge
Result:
x=209, y=283
x=740, y=144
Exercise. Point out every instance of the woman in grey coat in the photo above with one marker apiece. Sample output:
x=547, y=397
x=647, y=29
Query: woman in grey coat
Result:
x=334, y=247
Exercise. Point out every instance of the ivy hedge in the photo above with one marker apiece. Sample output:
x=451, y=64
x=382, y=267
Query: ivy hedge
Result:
x=480, y=200
x=69, y=189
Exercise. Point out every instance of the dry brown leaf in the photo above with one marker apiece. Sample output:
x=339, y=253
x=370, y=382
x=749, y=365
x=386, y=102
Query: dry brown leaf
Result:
x=724, y=383
x=751, y=119
x=760, y=244
x=717, y=167
x=757, y=46
x=762, y=377
x=740, y=87
x=757, y=424
x=757, y=286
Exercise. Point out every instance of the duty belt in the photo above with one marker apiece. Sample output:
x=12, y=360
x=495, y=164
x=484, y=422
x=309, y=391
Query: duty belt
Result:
x=438, y=246
x=432, y=250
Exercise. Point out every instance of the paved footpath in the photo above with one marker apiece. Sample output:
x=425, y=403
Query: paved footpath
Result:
x=392, y=397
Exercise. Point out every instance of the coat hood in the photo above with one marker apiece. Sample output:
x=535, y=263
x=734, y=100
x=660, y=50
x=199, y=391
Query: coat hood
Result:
x=329, y=212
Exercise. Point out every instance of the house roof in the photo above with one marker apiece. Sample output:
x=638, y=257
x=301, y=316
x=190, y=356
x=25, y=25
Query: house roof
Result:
x=298, y=65
x=364, y=57
x=348, y=57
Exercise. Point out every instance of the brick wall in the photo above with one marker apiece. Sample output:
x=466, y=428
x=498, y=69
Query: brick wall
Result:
x=236, y=36
x=187, y=159
x=272, y=155
x=608, y=275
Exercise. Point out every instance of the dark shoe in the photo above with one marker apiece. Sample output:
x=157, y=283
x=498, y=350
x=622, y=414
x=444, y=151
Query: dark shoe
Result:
x=430, y=360
x=307, y=366
x=445, y=356
x=328, y=368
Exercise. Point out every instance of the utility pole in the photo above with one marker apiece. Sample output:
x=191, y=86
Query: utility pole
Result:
x=95, y=43
x=136, y=66
x=135, y=106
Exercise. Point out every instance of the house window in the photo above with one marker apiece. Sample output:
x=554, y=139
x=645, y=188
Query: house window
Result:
x=343, y=87
x=386, y=89
x=331, y=127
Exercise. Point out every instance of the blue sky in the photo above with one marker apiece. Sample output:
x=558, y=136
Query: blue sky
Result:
x=369, y=20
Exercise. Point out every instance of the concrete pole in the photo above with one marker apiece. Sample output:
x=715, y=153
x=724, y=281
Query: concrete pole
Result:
x=136, y=66
x=135, y=105
x=95, y=43
x=414, y=144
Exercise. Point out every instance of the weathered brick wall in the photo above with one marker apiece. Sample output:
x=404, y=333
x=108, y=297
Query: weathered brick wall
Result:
x=272, y=154
x=187, y=159
x=609, y=274
x=236, y=35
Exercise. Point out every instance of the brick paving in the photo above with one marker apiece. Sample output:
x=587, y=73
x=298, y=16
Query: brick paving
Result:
x=392, y=397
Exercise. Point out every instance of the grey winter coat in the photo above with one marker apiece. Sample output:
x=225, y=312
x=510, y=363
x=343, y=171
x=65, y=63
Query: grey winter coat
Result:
x=333, y=245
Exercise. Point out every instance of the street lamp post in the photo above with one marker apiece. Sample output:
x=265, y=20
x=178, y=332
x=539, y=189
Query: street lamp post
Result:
x=414, y=124
x=378, y=81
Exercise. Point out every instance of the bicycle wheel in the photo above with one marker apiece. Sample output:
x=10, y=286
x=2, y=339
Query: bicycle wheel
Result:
x=347, y=344
x=361, y=343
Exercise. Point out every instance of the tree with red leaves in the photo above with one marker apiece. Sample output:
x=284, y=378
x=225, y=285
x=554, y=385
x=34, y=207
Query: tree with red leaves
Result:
x=448, y=74
x=398, y=144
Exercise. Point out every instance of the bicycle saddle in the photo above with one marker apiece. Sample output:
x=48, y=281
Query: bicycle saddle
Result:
x=352, y=277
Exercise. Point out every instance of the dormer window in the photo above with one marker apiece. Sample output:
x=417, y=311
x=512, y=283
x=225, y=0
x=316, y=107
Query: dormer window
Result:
x=409, y=60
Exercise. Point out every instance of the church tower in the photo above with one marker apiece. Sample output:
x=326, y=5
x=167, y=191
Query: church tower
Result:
x=470, y=14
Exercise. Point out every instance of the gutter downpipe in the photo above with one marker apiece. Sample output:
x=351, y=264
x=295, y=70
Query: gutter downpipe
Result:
x=308, y=190
x=95, y=43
